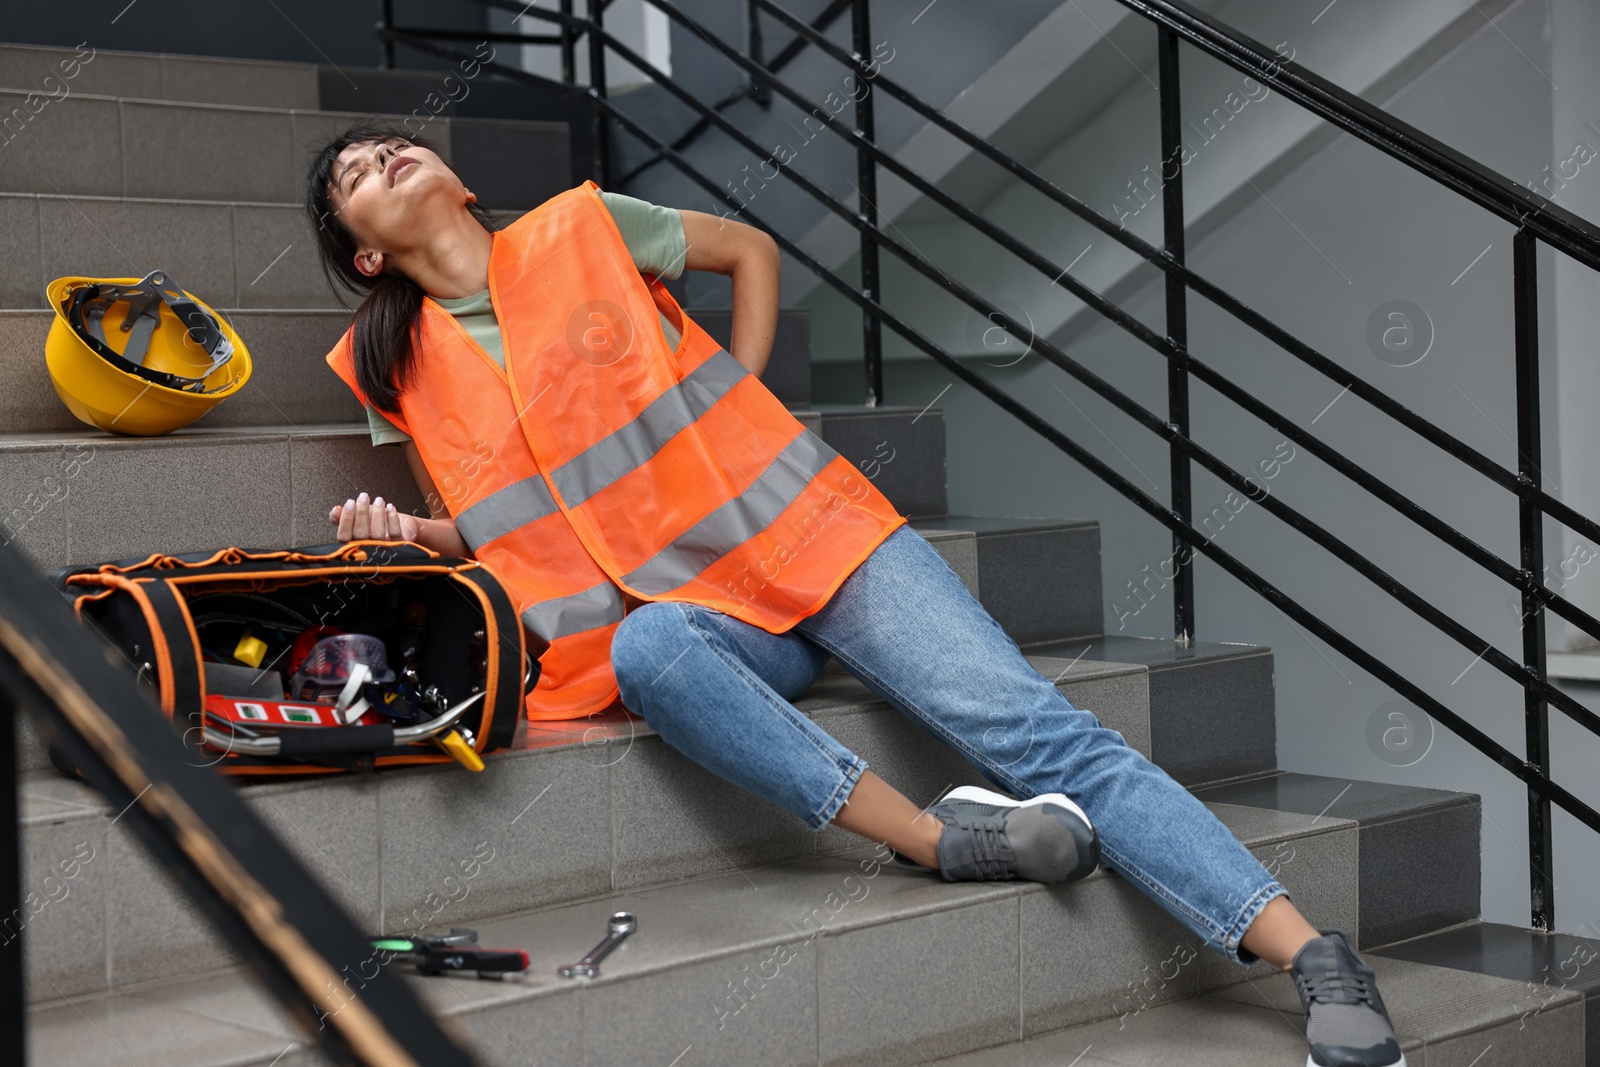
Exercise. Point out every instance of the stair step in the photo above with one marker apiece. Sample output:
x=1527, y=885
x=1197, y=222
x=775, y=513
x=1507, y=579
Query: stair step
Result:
x=1212, y=705
x=610, y=779
x=232, y=254
x=1439, y=1015
x=117, y=146
x=291, y=383
x=1420, y=844
x=788, y=370
x=1544, y=965
x=266, y=83
x=988, y=956
x=1040, y=577
x=657, y=817
x=83, y=496
x=900, y=448
x=159, y=76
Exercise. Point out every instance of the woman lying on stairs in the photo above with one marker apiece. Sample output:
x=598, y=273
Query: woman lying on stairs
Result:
x=673, y=536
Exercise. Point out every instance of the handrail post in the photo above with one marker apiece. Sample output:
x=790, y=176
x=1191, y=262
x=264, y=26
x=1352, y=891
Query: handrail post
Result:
x=1541, y=887
x=866, y=208
x=756, y=50
x=597, y=88
x=385, y=45
x=1177, y=327
x=13, y=996
x=569, y=74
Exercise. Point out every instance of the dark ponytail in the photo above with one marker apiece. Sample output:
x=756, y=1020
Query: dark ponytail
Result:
x=388, y=320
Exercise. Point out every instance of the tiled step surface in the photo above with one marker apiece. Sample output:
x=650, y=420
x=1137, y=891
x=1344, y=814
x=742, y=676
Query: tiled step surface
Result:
x=900, y=448
x=1443, y=1018
x=264, y=83
x=90, y=497
x=836, y=959
x=291, y=383
x=124, y=146
x=1040, y=577
x=1419, y=847
x=1211, y=703
x=582, y=807
x=231, y=254
x=159, y=76
x=1546, y=966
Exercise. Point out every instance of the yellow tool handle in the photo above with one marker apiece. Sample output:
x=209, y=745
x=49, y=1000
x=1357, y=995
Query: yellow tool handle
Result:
x=457, y=747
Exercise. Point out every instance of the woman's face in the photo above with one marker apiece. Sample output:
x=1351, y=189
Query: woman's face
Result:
x=386, y=193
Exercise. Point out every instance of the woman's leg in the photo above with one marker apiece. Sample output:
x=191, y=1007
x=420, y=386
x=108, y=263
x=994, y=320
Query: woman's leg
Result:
x=904, y=624
x=718, y=690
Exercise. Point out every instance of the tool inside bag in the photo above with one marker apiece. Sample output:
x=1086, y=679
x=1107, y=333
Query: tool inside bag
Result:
x=305, y=661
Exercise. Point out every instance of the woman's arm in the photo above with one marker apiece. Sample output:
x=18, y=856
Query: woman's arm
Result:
x=750, y=258
x=381, y=521
x=437, y=532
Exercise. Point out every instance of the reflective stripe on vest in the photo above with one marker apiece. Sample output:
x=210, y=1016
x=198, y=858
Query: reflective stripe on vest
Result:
x=680, y=562
x=505, y=510
x=633, y=445
x=599, y=605
x=735, y=522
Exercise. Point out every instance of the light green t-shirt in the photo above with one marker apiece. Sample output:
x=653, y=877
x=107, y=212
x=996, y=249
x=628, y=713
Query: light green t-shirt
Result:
x=654, y=236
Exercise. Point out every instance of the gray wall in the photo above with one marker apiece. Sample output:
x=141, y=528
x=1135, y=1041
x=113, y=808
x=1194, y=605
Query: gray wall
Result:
x=1320, y=250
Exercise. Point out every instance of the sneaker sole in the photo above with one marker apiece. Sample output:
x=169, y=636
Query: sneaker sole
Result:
x=987, y=796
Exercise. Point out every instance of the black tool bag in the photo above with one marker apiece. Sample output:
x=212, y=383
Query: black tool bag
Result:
x=179, y=619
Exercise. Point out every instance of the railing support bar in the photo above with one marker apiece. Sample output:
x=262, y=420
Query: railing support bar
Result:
x=1541, y=887
x=755, y=48
x=385, y=43
x=1177, y=327
x=866, y=206
x=597, y=89
x=569, y=50
x=13, y=995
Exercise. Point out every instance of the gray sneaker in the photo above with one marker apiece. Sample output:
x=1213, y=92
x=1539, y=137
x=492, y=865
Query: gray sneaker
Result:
x=1346, y=1022
x=990, y=837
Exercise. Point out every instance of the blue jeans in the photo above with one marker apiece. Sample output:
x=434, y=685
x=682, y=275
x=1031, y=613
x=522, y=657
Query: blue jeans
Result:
x=718, y=690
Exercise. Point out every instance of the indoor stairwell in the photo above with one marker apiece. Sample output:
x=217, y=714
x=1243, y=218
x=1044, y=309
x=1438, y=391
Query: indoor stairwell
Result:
x=759, y=942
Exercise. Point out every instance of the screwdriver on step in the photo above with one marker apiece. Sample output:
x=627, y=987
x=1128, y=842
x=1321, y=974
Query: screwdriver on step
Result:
x=455, y=953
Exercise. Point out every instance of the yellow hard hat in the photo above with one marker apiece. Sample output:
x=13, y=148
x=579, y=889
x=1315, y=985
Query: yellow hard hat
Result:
x=140, y=356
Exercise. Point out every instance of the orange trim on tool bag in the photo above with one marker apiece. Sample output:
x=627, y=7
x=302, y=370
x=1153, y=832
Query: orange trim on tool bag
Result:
x=158, y=638
x=288, y=577
x=353, y=551
x=194, y=639
x=83, y=598
x=491, y=634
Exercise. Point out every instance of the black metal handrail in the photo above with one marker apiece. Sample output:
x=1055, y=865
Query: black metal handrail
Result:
x=761, y=93
x=300, y=942
x=1535, y=217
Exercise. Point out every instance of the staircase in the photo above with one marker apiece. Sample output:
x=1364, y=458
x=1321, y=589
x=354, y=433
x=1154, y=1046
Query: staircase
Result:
x=759, y=941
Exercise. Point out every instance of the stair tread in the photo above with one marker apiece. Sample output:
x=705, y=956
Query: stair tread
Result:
x=1365, y=802
x=202, y=431
x=987, y=524
x=48, y=796
x=545, y=124
x=1154, y=652
x=1504, y=951
x=1260, y=1022
x=733, y=913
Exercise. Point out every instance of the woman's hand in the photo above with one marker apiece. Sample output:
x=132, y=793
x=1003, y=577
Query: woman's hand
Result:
x=359, y=520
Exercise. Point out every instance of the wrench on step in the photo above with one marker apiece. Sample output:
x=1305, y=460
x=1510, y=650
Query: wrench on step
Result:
x=620, y=926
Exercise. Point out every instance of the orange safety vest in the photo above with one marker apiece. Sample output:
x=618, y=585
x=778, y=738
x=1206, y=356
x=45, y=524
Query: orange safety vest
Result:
x=601, y=460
